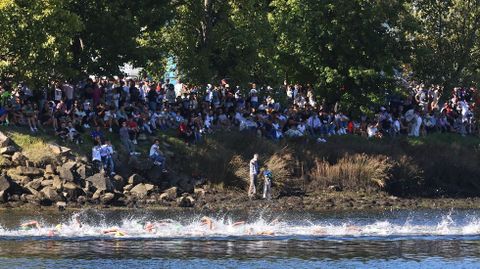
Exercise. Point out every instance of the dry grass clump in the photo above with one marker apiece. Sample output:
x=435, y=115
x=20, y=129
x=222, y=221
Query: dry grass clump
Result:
x=358, y=171
x=34, y=148
x=282, y=165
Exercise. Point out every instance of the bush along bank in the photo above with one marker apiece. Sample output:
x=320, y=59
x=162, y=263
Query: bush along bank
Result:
x=345, y=172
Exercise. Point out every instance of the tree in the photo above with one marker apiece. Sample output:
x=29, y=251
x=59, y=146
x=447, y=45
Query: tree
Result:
x=447, y=47
x=214, y=39
x=347, y=48
x=35, y=39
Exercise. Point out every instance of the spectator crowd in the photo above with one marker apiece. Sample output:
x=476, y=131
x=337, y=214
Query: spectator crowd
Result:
x=134, y=109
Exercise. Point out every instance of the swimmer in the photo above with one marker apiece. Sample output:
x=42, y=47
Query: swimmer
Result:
x=250, y=231
x=77, y=221
x=30, y=225
x=238, y=223
x=319, y=231
x=114, y=231
x=353, y=229
x=208, y=222
x=149, y=227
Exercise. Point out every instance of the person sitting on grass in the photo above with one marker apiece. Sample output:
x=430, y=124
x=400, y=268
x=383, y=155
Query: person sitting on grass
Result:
x=156, y=155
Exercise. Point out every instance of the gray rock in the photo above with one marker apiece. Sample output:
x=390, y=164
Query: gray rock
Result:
x=22, y=180
x=28, y=171
x=149, y=187
x=3, y=197
x=18, y=158
x=118, y=182
x=107, y=198
x=70, y=186
x=135, y=179
x=5, y=141
x=186, y=201
x=50, y=193
x=128, y=187
x=61, y=205
x=47, y=182
x=66, y=174
x=8, y=150
x=97, y=195
x=83, y=171
x=35, y=184
x=4, y=183
x=199, y=192
x=58, y=150
x=57, y=183
x=140, y=190
x=100, y=182
x=49, y=169
x=81, y=200
x=169, y=194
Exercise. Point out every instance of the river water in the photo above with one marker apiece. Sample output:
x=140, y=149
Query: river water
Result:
x=178, y=239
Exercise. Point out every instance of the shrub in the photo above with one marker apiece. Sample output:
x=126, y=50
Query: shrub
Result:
x=354, y=172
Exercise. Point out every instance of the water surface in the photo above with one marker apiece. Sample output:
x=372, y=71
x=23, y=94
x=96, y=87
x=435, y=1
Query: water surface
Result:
x=402, y=239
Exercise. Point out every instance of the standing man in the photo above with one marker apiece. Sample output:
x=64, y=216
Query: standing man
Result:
x=253, y=175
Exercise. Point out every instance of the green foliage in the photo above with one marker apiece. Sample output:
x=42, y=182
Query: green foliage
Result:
x=215, y=39
x=347, y=48
x=446, y=41
x=35, y=39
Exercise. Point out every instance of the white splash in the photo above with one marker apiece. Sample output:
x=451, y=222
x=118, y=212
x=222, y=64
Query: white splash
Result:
x=225, y=227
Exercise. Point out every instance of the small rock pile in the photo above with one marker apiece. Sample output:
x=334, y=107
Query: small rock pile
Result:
x=71, y=181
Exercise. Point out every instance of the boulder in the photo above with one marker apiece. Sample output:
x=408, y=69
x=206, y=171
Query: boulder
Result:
x=128, y=187
x=61, y=205
x=199, y=192
x=135, y=179
x=12, y=173
x=47, y=182
x=84, y=171
x=49, y=169
x=66, y=171
x=118, y=182
x=107, y=198
x=35, y=184
x=140, y=190
x=50, y=193
x=8, y=150
x=100, y=182
x=5, y=141
x=57, y=183
x=169, y=194
x=81, y=200
x=4, y=183
x=70, y=186
x=97, y=195
x=18, y=158
x=186, y=201
x=3, y=197
x=32, y=191
x=6, y=163
x=58, y=150
x=28, y=171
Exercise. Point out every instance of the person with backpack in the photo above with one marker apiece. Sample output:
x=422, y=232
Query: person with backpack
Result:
x=267, y=184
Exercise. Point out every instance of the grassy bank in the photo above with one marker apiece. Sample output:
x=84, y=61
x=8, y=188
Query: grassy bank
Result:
x=440, y=165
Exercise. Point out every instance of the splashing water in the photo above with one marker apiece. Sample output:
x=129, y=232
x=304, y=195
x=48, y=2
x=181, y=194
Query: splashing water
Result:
x=78, y=226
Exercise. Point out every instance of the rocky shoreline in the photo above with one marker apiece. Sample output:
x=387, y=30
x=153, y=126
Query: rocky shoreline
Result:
x=68, y=181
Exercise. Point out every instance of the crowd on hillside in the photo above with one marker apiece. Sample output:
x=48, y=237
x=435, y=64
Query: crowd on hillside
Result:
x=133, y=109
